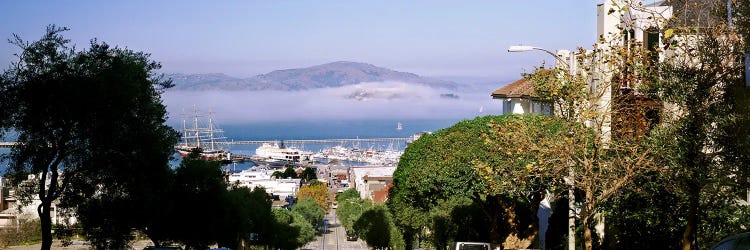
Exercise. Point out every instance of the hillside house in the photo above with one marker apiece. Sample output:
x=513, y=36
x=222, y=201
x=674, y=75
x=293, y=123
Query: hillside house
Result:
x=12, y=212
x=519, y=98
x=634, y=112
x=371, y=181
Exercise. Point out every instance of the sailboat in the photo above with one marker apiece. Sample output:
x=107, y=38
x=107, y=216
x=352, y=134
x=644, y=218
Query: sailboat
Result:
x=204, y=138
x=399, y=126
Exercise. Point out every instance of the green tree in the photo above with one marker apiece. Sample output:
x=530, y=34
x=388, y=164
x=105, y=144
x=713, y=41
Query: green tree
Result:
x=348, y=194
x=200, y=188
x=291, y=230
x=705, y=142
x=458, y=219
x=289, y=172
x=440, y=166
x=306, y=231
x=540, y=152
x=309, y=210
x=604, y=144
x=376, y=227
x=246, y=212
x=315, y=182
x=285, y=236
x=349, y=211
x=261, y=216
x=647, y=215
x=308, y=174
x=91, y=125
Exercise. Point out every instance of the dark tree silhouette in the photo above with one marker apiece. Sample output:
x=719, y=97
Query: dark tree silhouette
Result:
x=308, y=174
x=90, y=127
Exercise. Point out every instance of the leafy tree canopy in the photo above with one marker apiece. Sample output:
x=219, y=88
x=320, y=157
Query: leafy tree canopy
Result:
x=291, y=230
x=91, y=124
x=348, y=194
x=318, y=193
x=308, y=174
x=441, y=166
x=349, y=210
x=309, y=210
x=376, y=227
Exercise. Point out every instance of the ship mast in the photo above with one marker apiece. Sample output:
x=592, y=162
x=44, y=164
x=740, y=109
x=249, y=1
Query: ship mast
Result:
x=211, y=127
x=184, y=128
x=197, y=132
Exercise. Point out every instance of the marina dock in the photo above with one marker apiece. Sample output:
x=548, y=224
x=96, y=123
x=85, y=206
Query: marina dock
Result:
x=318, y=141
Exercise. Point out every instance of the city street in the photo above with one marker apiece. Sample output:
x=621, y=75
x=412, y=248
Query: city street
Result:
x=334, y=237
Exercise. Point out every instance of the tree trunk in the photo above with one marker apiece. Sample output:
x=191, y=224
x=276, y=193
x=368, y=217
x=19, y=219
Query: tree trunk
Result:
x=587, y=234
x=692, y=220
x=586, y=216
x=46, y=220
x=571, y=210
x=491, y=210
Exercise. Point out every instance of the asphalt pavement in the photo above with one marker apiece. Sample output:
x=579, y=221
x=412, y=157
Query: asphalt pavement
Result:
x=333, y=237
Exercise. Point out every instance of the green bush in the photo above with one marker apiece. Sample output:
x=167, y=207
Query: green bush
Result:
x=29, y=232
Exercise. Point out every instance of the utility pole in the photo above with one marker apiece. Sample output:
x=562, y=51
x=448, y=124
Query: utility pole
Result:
x=567, y=59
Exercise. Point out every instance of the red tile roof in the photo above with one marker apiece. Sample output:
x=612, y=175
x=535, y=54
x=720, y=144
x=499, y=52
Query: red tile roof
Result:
x=381, y=196
x=518, y=89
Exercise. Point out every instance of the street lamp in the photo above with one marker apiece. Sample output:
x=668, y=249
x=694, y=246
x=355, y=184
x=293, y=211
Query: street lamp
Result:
x=571, y=173
x=525, y=48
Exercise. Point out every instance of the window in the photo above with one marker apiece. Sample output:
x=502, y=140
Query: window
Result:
x=627, y=36
x=507, y=105
x=652, y=43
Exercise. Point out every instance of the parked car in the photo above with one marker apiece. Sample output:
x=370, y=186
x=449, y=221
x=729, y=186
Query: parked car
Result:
x=734, y=242
x=470, y=246
x=350, y=236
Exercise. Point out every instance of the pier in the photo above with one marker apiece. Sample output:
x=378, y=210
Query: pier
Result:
x=317, y=141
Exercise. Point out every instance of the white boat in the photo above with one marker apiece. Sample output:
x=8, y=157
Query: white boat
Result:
x=399, y=126
x=354, y=154
x=204, y=138
x=275, y=152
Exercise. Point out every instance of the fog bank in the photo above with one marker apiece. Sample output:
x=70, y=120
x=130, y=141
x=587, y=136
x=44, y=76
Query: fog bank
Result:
x=365, y=101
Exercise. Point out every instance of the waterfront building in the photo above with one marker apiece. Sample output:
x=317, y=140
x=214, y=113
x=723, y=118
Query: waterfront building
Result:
x=261, y=177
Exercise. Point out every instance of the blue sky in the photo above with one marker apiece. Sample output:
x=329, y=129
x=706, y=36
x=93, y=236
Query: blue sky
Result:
x=449, y=39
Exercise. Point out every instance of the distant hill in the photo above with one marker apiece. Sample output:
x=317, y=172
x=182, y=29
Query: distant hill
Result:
x=328, y=75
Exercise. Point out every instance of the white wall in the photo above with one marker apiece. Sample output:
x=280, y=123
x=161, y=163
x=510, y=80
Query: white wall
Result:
x=525, y=106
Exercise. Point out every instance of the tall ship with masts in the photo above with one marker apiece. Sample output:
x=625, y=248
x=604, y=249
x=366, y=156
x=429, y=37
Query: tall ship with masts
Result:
x=208, y=138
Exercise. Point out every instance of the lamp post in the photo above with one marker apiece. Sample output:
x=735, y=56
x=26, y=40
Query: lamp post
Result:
x=525, y=48
x=571, y=174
